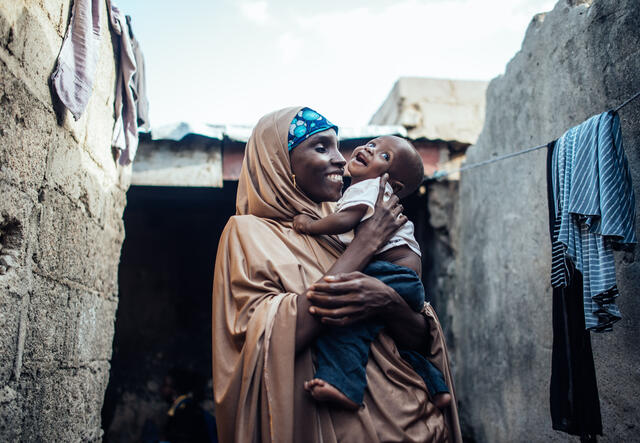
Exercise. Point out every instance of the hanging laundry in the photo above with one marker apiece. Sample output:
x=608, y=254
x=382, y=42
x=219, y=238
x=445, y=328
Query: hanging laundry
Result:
x=76, y=66
x=575, y=405
x=125, y=131
x=595, y=211
x=76, y=69
x=140, y=82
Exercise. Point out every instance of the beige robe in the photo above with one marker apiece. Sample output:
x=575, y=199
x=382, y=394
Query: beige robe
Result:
x=261, y=266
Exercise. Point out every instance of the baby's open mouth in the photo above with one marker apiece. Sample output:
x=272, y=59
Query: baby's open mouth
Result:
x=361, y=159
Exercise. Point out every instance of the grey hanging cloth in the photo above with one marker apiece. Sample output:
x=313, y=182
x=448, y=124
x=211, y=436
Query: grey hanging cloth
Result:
x=76, y=66
x=139, y=82
x=125, y=130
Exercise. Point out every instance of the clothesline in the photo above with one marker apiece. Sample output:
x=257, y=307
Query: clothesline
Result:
x=441, y=174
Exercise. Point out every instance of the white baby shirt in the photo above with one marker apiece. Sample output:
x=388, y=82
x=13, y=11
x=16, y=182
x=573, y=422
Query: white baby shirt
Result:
x=366, y=193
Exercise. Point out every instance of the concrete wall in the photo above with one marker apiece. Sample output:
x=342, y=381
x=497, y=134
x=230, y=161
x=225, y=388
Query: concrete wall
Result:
x=580, y=59
x=61, y=203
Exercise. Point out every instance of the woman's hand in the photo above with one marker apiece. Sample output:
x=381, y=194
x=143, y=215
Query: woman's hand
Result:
x=371, y=234
x=386, y=219
x=343, y=299
x=347, y=298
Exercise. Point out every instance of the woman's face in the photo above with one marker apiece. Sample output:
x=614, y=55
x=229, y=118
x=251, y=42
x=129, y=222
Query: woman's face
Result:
x=319, y=166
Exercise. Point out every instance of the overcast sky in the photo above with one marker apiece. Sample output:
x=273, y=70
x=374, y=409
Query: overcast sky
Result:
x=231, y=61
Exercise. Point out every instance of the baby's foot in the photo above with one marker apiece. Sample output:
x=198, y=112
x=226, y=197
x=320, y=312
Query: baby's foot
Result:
x=323, y=391
x=442, y=400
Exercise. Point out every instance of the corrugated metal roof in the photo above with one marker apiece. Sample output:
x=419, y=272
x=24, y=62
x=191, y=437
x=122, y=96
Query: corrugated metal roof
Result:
x=241, y=133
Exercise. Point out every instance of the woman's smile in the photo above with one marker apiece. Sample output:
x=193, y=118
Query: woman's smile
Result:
x=335, y=177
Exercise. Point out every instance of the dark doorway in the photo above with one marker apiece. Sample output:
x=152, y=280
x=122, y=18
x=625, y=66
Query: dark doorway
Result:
x=164, y=309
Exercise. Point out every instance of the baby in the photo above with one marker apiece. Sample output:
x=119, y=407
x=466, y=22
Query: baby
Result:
x=342, y=353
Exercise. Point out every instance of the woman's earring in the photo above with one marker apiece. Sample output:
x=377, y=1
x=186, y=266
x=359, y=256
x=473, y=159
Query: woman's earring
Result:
x=293, y=176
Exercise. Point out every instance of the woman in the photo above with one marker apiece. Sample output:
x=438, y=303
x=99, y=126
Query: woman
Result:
x=270, y=302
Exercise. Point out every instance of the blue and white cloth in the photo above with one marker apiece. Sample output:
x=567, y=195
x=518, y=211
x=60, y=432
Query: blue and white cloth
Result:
x=595, y=210
x=306, y=123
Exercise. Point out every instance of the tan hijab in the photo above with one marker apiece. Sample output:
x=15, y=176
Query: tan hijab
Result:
x=261, y=267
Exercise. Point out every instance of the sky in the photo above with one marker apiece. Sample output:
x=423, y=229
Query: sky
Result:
x=232, y=61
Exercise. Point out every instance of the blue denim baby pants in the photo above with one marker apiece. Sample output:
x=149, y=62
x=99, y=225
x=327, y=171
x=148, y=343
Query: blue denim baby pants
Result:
x=343, y=352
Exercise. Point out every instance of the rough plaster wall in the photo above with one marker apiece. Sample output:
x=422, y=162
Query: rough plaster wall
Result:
x=575, y=61
x=61, y=203
x=440, y=274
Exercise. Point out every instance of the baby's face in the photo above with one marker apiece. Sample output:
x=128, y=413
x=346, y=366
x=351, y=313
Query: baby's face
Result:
x=373, y=159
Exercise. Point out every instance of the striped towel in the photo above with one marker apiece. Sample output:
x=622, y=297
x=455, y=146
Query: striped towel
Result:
x=595, y=210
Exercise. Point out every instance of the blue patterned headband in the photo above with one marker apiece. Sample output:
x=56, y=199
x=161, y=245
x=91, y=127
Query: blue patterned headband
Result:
x=306, y=123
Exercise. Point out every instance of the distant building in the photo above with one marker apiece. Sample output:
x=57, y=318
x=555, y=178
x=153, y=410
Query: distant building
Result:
x=442, y=116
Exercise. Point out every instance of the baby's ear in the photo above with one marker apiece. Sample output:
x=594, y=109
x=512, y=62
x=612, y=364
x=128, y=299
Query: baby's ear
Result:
x=397, y=186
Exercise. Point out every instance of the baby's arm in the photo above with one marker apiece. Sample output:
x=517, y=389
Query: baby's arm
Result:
x=336, y=223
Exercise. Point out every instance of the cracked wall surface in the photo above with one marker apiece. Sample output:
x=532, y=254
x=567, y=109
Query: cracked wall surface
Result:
x=576, y=61
x=61, y=230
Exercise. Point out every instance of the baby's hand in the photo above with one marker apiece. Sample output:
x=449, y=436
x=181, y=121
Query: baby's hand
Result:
x=300, y=223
